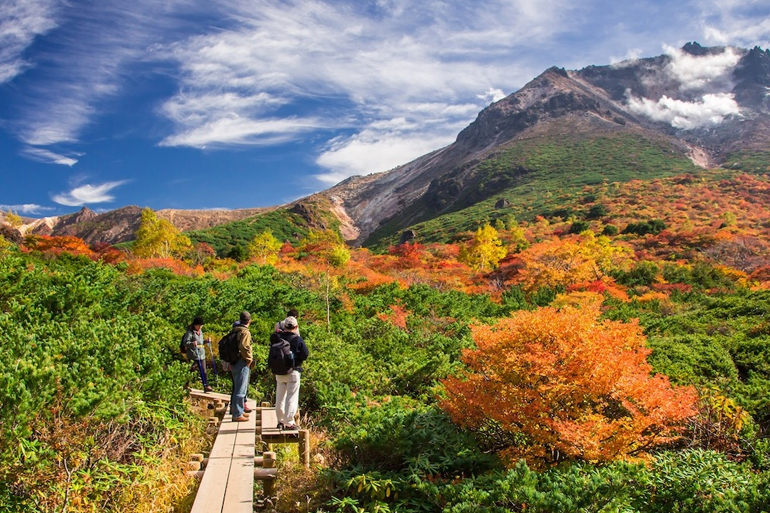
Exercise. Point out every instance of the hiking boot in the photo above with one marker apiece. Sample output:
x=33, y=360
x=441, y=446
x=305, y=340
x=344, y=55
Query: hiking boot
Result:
x=291, y=427
x=279, y=426
x=242, y=418
x=246, y=409
x=208, y=389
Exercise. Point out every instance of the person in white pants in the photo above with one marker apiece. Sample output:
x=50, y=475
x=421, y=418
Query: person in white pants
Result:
x=287, y=385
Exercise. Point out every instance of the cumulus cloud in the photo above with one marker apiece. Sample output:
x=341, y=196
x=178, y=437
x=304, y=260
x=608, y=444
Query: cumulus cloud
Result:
x=371, y=151
x=711, y=111
x=703, y=72
x=26, y=208
x=21, y=21
x=48, y=157
x=85, y=194
x=375, y=70
x=705, y=85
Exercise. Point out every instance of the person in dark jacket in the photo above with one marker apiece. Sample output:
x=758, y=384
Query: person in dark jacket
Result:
x=287, y=385
x=196, y=350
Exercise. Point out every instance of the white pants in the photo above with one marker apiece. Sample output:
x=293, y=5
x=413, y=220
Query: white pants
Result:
x=286, y=397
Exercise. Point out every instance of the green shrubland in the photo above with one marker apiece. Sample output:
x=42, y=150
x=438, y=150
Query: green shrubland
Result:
x=93, y=413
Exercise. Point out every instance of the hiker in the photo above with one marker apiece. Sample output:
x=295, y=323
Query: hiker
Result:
x=287, y=384
x=291, y=313
x=241, y=369
x=196, y=352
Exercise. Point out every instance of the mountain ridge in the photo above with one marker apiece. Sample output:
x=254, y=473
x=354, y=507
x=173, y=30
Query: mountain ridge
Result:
x=711, y=115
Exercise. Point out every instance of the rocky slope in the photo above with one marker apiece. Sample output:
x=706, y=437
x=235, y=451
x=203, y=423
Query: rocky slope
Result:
x=705, y=103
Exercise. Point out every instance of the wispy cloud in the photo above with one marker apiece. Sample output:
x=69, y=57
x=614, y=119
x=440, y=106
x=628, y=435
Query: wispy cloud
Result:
x=26, y=208
x=86, y=194
x=96, y=43
x=399, y=76
x=21, y=21
x=48, y=157
x=736, y=22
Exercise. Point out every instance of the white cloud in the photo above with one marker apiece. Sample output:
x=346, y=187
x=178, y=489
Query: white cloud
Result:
x=95, y=46
x=381, y=69
x=372, y=151
x=21, y=21
x=48, y=157
x=26, y=208
x=711, y=111
x=242, y=131
x=88, y=193
x=736, y=22
x=492, y=95
x=703, y=72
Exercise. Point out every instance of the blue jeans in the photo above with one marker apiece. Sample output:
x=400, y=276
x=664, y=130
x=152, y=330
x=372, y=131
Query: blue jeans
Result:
x=202, y=371
x=240, y=373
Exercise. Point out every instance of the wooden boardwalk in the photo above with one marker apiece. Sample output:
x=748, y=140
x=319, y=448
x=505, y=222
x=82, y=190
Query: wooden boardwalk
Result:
x=227, y=485
x=228, y=481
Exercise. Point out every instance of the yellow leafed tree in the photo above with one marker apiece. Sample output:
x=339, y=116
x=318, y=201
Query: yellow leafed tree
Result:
x=264, y=247
x=485, y=250
x=158, y=238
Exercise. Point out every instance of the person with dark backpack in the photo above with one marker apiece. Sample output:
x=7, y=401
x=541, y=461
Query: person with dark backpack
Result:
x=241, y=367
x=193, y=343
x=285, y=357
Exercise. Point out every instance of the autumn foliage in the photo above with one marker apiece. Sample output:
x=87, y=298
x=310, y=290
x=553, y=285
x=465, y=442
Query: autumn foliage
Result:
x=574, y=386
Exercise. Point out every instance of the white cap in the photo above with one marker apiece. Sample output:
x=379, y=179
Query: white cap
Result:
x=290, y=323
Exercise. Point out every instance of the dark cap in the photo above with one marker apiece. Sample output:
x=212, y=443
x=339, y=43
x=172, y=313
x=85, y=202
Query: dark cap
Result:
x=245, y=317
x=198, y=321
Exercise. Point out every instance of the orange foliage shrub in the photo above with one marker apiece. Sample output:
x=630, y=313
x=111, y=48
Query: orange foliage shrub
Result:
x=397, y=316
x=59, y=244
x=575, y=387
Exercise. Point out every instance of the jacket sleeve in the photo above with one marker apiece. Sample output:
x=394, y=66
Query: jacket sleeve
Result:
x=189, y=340
x=302, y=351
x=244, y=345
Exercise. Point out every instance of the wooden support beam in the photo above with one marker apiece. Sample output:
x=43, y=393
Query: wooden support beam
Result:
x=266, y=474
x=304, y=447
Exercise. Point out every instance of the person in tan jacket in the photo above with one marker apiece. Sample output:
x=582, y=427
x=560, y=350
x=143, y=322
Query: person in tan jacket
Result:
x=241, y=369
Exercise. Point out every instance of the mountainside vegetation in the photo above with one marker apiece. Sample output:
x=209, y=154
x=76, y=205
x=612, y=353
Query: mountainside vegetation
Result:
x=646, y=352
x=560, y=312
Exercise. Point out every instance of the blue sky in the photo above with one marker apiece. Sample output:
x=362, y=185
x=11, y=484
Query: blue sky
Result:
x=243, y=103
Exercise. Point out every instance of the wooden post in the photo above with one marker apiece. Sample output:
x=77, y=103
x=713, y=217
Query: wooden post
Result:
x=268, y=461
x=266, y=404
x=304, y=447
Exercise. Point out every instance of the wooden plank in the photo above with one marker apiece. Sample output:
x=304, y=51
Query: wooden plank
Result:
x=269, y=420
x=230, y=458
x=239, y=495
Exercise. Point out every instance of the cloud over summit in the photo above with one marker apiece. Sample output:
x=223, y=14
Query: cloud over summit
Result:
x=705, y=83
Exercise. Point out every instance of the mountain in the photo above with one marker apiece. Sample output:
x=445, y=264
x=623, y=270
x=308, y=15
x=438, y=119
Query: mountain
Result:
x=120, y=225
x=690, y=109
x=706, y=105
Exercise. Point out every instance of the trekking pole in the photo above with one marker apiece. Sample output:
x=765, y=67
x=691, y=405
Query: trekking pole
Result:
x=213, y=361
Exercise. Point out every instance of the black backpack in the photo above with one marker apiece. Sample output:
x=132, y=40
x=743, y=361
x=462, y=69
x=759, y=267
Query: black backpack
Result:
x=280, y=359
x=228, y=348
x=182, y=346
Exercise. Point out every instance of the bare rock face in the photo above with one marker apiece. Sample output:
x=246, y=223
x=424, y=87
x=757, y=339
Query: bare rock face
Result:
x=120, y=225
x=11, y=234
